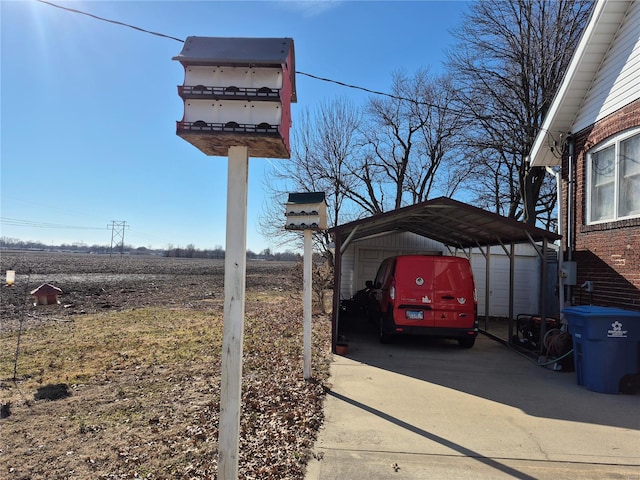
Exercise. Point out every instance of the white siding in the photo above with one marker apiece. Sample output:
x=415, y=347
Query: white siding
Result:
x=616, y=83
x=347, y=285
x=223, y=111
x=242, y=77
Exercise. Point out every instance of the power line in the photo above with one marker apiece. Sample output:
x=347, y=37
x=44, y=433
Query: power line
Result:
x=117, y=229
x=73, y=10
x=376, y=92
x=29, y=223
x=315, y=77
x=354, y=86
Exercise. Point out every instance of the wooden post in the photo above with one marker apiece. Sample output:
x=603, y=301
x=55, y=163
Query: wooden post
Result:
x=307, y=290
x=234, y=294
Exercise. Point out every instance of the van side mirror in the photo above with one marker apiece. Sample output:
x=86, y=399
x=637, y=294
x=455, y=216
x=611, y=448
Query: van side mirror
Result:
x=368, y=284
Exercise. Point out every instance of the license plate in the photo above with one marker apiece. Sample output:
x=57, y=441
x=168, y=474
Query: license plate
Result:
x=415, y=314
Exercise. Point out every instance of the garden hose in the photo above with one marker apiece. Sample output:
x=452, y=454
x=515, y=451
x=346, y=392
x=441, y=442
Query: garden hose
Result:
x=550, y=343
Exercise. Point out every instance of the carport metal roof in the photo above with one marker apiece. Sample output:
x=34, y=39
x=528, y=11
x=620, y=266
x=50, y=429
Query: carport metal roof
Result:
x=453, y=223
x=449, y=221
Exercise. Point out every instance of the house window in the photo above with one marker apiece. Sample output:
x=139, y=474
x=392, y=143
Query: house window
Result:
x=614, y=179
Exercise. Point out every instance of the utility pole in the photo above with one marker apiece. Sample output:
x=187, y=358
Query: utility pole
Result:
x=117, y=235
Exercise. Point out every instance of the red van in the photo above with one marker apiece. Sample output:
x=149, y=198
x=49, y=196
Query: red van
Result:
x=425, y=295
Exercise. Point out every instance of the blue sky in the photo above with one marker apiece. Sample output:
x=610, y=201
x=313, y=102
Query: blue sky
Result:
x=88, y=108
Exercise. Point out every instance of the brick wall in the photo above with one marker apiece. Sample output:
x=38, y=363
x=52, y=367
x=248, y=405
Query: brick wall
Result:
x=608, y=254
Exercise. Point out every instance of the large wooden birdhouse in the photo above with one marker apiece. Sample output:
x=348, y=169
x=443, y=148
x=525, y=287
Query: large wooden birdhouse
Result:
x=306, y=211
x=238, y=92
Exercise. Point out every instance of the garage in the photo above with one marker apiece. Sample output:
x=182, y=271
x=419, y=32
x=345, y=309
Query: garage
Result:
x=516, y=260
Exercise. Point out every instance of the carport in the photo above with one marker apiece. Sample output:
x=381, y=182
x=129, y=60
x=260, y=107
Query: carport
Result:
x=461, y=228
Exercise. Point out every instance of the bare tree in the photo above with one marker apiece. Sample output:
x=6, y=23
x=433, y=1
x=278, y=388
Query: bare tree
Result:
x=367, y=163
x=439, y=144
x=509, y=63
x=390, y=134
x=323, y=146
x=407, y=138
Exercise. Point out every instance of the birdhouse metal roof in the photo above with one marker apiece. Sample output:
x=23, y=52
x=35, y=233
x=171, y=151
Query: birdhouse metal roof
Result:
x=306, y=197
x=240, y=51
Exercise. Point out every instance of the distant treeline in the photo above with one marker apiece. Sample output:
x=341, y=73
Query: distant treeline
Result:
x=189, y=252
x=218, y=253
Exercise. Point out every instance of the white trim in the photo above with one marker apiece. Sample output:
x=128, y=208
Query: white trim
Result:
x=614, y=140
x=588, y=58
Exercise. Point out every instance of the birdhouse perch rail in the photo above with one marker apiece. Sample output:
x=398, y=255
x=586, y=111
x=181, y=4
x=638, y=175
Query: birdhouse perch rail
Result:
x=303, y=213
x=303, y=226
x=229, y=93
x=233, y=127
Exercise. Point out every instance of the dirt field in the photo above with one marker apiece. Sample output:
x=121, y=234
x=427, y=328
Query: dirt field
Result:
x=122, y=378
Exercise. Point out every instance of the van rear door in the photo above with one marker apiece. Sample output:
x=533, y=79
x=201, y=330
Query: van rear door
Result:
x=454, y=302
x=414, y=291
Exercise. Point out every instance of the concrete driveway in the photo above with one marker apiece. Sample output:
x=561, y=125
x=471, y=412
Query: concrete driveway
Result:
x=426, y=409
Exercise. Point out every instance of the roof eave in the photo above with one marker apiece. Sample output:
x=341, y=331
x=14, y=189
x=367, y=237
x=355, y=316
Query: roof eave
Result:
x=559, y=120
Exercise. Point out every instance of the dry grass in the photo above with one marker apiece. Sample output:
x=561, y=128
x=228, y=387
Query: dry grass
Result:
x=134, y=393
x=94, y=345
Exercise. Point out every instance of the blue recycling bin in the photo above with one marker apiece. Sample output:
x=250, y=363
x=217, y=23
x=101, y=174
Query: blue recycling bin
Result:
x=606, y=346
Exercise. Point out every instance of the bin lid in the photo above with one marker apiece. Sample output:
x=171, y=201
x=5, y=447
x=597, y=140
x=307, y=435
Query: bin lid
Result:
x=593, y=322
x=597, y=311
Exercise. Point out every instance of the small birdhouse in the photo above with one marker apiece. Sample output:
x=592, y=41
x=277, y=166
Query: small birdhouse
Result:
x=46, y=294
x=306, y=211
x=238, y=92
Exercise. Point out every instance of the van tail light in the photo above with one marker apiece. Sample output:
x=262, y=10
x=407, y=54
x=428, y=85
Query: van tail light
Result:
x=475, y=295
x=392, y=290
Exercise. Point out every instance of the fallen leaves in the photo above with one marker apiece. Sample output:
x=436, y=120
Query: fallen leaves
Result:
x=150, y=407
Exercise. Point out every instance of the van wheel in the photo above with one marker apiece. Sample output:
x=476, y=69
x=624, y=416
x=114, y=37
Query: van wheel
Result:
x=383, y=336
x=466, y=342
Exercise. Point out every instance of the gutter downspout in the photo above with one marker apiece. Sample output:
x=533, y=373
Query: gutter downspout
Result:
x=570, y=207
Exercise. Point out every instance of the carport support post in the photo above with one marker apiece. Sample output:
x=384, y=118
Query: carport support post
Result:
x=234, y=294
x=487, y=290
x=337, y=282
x=307, y=288
x=543, y=295
x=512, y=269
